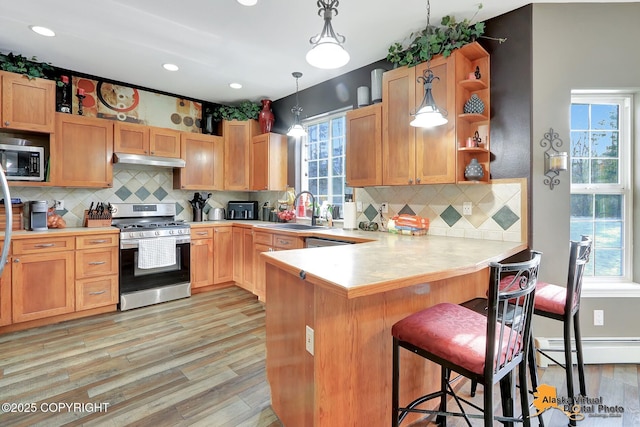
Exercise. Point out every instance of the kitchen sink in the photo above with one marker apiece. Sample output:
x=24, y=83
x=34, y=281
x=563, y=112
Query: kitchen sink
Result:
x=294, y=226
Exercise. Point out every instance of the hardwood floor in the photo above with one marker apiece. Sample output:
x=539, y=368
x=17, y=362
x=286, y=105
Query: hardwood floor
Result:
x=198, y=361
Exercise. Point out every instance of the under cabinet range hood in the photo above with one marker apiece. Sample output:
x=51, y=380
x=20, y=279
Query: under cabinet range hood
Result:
x=139, y=159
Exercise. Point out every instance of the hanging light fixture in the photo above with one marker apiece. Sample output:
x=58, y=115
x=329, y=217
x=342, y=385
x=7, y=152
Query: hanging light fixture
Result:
x=327, y=51
x=296, y=130
x=428, y=114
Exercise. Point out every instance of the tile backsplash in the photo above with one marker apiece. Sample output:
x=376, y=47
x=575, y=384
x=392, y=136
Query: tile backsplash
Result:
x=497, y=208
x=134, y=184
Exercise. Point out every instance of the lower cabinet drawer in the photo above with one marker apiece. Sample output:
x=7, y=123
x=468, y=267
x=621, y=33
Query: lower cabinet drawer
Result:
x=96, y=262
x=97, y=292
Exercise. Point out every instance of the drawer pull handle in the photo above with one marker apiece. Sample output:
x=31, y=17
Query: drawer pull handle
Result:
x=94, y=242
x=97, y=292
x=284, y=242
x=45, y=245
x=97, y=262
x=202, y=233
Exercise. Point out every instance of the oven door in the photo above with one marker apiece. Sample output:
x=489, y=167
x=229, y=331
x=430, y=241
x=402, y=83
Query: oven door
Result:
x=134, y=279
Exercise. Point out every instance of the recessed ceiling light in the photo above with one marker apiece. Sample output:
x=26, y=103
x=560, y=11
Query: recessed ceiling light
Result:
x=235, y=85
x=43, y=31
x=248, y=2
x=170, y=67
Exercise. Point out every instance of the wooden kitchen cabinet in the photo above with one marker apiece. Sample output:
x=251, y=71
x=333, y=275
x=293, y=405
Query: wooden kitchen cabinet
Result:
x=83, y=152
x=364, y=146
x=5, y=294
x=269, y=162
x=265, y=241
x=146, y=140
x=27, y=104
x=42, y=278
x=415, y=155
x=222, y=255
x=243, y=257
x=203, y=155
x=467, y=59
x=96, y=267
x=237, y=152
x=201, y=257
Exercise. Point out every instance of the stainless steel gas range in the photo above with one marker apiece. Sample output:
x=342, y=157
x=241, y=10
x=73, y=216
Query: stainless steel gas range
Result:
x=154, y=254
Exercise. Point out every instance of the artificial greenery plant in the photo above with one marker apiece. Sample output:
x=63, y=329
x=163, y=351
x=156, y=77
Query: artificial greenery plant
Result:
x=245, y=110
x=29, y=67
x=432, y=41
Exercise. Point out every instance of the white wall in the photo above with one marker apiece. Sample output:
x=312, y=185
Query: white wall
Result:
x=577, y=46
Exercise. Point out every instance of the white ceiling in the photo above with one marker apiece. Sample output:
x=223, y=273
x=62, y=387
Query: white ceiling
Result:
x=216, y=42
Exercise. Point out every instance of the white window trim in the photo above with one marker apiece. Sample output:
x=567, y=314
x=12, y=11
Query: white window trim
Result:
x=601, y=287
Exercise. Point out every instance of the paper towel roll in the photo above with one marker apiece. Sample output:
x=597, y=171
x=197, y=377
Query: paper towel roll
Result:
x=350, y=216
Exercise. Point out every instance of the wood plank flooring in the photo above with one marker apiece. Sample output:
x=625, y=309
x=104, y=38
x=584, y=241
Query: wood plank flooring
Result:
x=198, y=361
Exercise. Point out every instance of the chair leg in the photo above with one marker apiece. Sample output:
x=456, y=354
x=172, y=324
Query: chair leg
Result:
x=395, y=384
x=474, y=387
x=578, y=338
x=533, y=374
x=445, y=375
x=568, y=362
x=524, y=395
x=488, y=405
x=507, y=391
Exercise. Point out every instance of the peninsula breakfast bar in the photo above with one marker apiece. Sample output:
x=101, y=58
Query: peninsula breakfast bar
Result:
x=350, y=296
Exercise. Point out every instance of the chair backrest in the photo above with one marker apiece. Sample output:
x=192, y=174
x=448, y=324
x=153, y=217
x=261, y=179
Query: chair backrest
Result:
x=510, y=310
x=578, y=259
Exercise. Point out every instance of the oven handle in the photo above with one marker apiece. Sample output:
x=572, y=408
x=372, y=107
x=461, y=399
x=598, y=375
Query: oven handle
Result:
x=133, y=244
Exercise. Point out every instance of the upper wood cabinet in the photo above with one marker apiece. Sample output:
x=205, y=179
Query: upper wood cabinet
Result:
x=27, y=104
x=269, y=162
x=203, y=155
x=364, y=146
x=83, y=152
x=237, y=152
x=467, y=59
x=146, y=140
x=415, y=155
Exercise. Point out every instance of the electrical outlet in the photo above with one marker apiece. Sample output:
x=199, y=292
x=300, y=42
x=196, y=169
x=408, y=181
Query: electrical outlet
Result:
x=384, y=207
x=309, y=341
x=598, y=317
x=467, y=208
x=59, y=205
x=359, y=206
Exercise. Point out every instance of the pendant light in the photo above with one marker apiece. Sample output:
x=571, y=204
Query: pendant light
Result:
x=428, y=114
x=327, y=51
x=296, y=130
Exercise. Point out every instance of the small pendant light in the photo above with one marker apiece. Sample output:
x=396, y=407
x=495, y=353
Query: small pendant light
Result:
x=296, y=130
x=428, y=114
x=327, y=51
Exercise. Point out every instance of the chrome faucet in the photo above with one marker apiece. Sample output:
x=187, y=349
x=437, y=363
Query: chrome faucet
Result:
x=313, y=205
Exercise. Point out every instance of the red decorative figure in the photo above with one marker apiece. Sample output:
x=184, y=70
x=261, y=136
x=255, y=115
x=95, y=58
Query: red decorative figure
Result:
x=266, y=118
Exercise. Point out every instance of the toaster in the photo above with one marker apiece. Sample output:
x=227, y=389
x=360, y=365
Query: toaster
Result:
x=242, y=210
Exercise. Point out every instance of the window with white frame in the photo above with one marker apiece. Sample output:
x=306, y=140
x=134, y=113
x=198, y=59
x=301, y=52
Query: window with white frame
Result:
x=323, y=159
x=601, y=188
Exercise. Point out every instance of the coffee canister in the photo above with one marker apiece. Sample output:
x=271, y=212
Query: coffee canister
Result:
x=363, y=96
x=376, y=85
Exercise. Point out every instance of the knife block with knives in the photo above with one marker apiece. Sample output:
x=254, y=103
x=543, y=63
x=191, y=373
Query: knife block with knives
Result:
x=100, y=216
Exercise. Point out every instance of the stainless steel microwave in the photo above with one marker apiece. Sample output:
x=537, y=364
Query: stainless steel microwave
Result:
x=22, y=162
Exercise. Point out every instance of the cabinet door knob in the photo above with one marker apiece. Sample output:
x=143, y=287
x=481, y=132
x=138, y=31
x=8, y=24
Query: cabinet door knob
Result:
x=16, y=260
x=7, y=123
x=410, y=181
x=417, y=180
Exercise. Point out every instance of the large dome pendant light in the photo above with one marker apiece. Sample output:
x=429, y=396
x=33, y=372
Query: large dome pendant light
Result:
x=428, y=114
x=327, y=51
x=296, y=130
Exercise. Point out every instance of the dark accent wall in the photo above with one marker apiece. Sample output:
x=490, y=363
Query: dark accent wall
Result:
x=511, y=97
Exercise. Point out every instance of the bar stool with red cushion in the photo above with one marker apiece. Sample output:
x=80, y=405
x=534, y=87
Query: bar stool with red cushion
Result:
x=486, y=349
x=563, y=304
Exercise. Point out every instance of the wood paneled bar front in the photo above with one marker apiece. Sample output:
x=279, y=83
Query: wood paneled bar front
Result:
x=351, y=296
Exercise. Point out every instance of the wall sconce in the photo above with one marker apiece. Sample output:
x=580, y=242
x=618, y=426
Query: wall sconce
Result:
x=554, y=160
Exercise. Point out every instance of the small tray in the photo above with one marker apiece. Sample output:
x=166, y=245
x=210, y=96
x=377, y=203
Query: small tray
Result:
x=102, y=222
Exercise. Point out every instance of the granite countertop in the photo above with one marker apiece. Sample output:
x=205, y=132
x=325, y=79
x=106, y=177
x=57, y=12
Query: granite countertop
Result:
x=389, y=261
